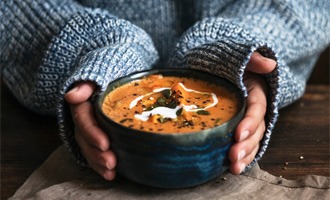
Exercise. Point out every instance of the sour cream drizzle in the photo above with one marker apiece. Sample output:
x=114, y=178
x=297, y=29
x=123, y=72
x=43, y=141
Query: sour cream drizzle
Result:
x=166, y=112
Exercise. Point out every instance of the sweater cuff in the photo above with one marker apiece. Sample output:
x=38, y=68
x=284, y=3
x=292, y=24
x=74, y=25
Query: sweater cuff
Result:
x=97, y=48
x=228, y=59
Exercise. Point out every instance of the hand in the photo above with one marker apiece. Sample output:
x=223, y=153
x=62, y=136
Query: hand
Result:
x=93, y=141
x=250, y=130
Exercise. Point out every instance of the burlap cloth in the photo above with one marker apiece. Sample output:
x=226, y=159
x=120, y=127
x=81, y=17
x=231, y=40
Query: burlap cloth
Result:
x=59, y=177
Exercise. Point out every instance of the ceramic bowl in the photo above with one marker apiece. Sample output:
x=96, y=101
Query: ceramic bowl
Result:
x=170, y=160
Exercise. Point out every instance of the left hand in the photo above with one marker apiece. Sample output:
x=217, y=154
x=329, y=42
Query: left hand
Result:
x=92, y=140
x=250, y=130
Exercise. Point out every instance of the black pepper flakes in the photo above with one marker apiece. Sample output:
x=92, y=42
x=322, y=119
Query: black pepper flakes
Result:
x=123, y=120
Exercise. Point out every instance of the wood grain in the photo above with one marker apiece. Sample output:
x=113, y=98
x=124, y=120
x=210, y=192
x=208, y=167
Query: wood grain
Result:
x=300, y=141
x=27, y=139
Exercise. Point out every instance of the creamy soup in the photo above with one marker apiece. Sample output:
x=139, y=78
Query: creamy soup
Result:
x=167, y=104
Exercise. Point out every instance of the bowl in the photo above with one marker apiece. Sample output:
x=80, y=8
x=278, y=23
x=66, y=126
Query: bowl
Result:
x=170, y=160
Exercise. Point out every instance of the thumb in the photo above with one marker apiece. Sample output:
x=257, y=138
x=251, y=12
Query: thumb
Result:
x=80, y=92
x=260, y=64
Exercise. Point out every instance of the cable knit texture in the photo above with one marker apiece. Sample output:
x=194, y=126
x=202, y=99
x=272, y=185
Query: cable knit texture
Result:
x=48, y=45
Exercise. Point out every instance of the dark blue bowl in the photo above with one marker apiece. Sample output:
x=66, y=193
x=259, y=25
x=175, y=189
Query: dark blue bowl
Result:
x=170, y=160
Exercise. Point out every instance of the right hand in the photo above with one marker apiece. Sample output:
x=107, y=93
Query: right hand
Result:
x=250, y=130
x=92, y=140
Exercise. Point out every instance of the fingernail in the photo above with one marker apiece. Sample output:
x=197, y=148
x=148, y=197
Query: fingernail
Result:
x=109, y=166
x=241, y=155
x=242, y=167
x=74, y=89
x=244, y=135
x=109, y=175
x=272, y=62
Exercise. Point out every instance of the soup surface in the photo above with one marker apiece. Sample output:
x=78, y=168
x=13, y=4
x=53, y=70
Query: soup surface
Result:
x=167, y=104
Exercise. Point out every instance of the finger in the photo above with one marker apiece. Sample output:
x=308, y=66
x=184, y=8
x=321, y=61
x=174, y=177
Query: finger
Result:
x=102, y=162
x=238, y=167
x=243, y=153
x=83, y=117
x=255, y=113
x=95, y=156
x=106, y=174
x=80, y=93
x=260, y=64
x=242, y=149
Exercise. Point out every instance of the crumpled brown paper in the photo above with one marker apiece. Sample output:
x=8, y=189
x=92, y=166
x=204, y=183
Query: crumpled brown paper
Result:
x=59, y=177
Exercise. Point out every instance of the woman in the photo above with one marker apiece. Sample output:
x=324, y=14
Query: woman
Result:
x=56, y=54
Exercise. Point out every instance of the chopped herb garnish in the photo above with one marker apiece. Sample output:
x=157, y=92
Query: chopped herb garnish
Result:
x=172, y=104
x=179, y=112
x=149, y=108
x=161, y=101
x=163, y=120
x=203, y=112
x=217, y=121
x=167, y=93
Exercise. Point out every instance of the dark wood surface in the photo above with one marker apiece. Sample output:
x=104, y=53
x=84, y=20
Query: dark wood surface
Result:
x=300, y=142
x=299, y=145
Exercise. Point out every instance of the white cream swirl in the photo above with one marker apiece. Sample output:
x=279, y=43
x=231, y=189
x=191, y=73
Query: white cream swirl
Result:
x=166, y=112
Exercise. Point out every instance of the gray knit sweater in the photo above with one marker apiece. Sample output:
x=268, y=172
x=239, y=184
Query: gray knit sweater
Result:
x=47, y=45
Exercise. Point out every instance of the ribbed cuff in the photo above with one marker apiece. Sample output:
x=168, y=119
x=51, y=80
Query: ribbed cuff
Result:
x=98, y=48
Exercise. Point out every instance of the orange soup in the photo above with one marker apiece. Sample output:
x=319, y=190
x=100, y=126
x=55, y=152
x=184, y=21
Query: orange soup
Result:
x=167, y=104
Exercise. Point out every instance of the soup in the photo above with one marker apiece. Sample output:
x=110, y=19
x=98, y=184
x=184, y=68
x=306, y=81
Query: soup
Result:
x=168, y=104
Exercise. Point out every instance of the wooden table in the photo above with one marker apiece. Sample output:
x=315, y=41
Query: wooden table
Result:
x=299, y=145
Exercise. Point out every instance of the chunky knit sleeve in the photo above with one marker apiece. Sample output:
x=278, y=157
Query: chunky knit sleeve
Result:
x=293, y=33
x=47, y=45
